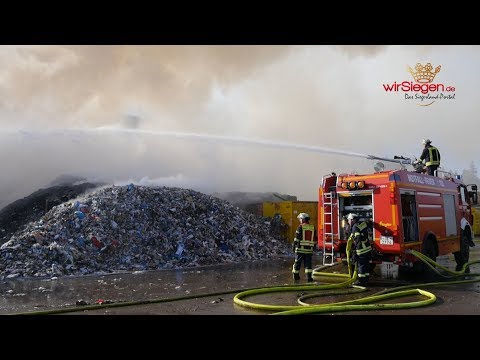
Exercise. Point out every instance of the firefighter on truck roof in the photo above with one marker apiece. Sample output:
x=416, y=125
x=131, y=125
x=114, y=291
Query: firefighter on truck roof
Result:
x=431, y=156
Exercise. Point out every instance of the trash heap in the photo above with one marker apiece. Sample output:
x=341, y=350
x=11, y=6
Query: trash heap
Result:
x=31, y=208
x=132, y=228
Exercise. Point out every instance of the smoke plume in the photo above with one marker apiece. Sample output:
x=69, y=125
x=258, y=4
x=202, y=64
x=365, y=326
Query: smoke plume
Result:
x=258, y=118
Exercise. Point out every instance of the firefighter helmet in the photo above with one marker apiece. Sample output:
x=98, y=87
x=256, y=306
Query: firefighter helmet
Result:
x=303, y=216
x=351, y=216
x=426, y=141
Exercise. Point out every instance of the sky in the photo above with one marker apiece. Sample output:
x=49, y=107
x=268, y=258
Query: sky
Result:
x=226, y=118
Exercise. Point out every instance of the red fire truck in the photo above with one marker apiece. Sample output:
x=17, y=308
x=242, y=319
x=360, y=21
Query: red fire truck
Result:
x=406, y=210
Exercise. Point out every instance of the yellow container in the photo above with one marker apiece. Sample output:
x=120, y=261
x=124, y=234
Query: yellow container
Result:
x=289, y=210
x=476, y=220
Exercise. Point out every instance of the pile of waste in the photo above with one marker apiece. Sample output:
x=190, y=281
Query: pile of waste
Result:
x=134, y=228
x=23, y=211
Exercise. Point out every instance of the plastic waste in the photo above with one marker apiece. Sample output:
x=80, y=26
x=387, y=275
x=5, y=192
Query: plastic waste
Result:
x=97, y=243
x=79, y=215
x=81, y=241
x=179, y=251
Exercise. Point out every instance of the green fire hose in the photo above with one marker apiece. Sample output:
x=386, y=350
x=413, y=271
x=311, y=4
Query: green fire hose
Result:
x=345, y=287
x=316, y=290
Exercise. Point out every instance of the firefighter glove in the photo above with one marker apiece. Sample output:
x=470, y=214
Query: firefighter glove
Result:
x=296, y=243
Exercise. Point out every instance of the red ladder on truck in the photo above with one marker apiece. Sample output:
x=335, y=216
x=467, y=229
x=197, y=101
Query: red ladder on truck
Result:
x=328, y=251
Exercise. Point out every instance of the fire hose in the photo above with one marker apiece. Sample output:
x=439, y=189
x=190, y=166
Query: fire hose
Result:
x=362, y=304
x=318, y=290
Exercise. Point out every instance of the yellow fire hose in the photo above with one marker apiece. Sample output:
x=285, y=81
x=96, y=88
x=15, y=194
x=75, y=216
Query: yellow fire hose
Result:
x=362, y=304
x=344, y=287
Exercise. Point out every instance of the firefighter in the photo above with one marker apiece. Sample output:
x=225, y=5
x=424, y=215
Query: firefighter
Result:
x=361, y=248
x=303, y=246
x=431, y=157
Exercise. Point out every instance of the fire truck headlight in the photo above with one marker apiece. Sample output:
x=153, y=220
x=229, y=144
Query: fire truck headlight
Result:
x=361, y=184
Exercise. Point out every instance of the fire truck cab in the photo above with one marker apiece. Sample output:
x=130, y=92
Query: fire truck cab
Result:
x=405, y=210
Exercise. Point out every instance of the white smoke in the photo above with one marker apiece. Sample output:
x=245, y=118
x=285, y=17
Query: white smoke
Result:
x=325, y=97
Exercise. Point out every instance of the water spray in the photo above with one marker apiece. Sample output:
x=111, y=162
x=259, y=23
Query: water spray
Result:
x=197, y=136
x=402, y=161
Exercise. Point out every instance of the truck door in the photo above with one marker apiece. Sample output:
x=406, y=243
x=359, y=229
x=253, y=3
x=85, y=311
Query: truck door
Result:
x=409, y=216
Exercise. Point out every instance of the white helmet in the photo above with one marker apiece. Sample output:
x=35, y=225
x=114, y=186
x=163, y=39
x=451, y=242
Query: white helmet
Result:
x=426, y=141
x=351, y=216
x=303, y=216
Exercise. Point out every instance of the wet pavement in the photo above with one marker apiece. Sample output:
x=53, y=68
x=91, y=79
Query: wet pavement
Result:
x=153, y=290
x=32, y=295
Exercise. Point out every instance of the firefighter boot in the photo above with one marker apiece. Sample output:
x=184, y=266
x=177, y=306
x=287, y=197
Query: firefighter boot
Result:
x=309, y=275
x=361, y=281
x=296, y=276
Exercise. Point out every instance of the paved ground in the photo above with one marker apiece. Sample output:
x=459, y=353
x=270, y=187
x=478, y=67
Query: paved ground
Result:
x=187, y=287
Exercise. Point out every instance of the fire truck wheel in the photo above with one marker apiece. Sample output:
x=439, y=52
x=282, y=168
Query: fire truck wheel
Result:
x=462, y=256
x=430, y=250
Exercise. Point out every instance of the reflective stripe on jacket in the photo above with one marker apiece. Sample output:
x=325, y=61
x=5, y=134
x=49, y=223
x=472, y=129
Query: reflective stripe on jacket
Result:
x=433, y=156
x=359, y=236
x=306, y=243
